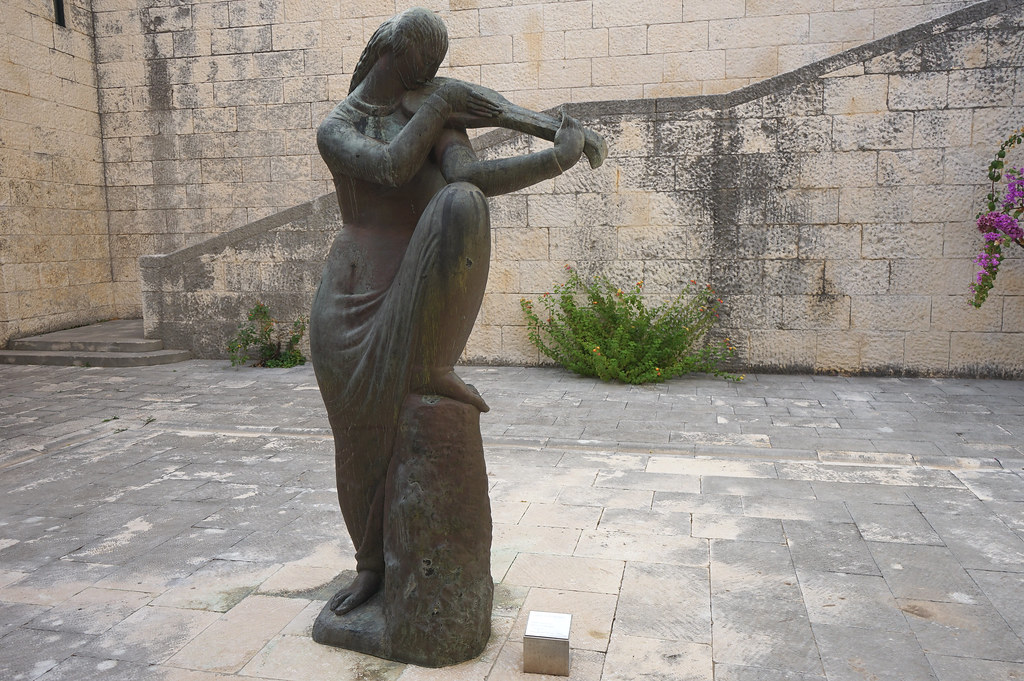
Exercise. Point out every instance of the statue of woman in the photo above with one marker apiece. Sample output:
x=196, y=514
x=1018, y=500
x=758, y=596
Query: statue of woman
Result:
x=404, y=279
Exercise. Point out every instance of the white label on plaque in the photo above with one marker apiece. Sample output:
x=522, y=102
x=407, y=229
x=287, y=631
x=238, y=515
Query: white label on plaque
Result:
x=548, y=624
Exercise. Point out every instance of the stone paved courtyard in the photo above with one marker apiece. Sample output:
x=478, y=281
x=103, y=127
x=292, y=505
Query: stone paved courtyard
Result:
x=180, y=523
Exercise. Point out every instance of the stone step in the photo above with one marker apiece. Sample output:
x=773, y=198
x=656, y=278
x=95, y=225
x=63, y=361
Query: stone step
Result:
x=116, y=343
x=93, y=359
x=113, y=345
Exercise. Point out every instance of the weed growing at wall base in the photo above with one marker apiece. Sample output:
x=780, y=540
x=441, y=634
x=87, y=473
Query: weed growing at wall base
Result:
x=1000, y=223
x=598, y=329
x=262, y=333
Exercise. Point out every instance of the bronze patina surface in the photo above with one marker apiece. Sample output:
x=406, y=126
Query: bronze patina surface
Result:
x=399, y=295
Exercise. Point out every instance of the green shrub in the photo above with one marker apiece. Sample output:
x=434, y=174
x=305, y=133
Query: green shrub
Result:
x=263, y=333
x=597, y=329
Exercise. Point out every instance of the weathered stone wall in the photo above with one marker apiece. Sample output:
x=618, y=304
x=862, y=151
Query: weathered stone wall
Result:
x=54, y=257
x=209, y=106
x=196, y=297
x=832, y=208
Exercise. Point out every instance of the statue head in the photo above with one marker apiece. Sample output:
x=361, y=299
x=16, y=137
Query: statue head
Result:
x=418, y=40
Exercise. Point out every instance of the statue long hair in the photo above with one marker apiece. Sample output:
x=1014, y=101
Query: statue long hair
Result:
x=417, y=28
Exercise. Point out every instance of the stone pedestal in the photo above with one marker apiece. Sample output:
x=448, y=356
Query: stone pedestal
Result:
x=435, y=606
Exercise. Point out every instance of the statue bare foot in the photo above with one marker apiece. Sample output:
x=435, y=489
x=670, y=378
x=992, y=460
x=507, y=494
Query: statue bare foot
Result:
x=355, y=594
x=448, y=384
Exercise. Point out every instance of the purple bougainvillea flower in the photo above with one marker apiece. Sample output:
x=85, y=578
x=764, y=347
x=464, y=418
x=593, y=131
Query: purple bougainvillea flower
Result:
x=1014, y=188
x=999, y=222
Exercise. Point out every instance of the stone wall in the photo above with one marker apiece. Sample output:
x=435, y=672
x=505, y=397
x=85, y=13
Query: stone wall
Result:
x=196, y=297
x=54, y=256
x=832, y=208
x=209, y=106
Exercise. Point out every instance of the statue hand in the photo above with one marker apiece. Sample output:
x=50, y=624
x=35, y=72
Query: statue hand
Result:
x=464, y=98
x=568, y=142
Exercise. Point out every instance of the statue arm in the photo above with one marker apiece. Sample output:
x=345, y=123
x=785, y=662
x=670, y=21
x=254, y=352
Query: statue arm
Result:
x=501, y=176
x=348, y=152
x=459, y=162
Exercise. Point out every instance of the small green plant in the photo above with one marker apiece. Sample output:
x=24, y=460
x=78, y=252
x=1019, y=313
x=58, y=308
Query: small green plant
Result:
x=263, y=333
x=597, y=329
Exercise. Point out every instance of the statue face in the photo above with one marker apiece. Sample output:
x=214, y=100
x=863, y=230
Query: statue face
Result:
x=414, y=68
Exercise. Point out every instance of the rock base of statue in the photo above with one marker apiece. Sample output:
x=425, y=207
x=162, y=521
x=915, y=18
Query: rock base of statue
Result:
x=435, y=606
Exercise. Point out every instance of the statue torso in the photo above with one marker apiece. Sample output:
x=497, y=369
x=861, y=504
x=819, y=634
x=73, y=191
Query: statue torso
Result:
x=377, y=220
x=368, y=205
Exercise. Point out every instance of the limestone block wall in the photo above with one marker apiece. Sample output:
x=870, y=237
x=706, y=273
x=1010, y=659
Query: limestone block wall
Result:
x=196, y=297
x=54, y=257
x=832, y=207
x=209, y=106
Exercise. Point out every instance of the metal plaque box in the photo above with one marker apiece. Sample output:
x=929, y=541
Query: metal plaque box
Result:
x=546, y=643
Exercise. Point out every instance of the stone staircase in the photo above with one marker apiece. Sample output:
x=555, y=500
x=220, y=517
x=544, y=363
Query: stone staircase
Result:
x=118, y=343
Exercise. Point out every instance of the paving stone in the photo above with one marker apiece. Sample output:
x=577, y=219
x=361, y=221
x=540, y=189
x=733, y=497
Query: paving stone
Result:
x=795, y=509
x=141, y=535
x=1004, y=485
x=624, y=545
x=509, y=512
x=963, y=630
x=613, y=460
x=13, y=615
x=645, y=522
x=715, y=504
x=48, y=547
x=738, y=528
x=669, y=602
x=980, y=541
x=271, y=547
x=559, y=515
x=948, y=668
x=867, y=474
x=1010, y=512
x=1005, y=590
x=705, y=467
x=955, y=501
x=54, y=583
x=851, y=653
x=230, y=642
x=248, y=508
x=217, y=586
x=297, y=658
x=720, y=439
x=896, y=523
x=151, y=634
x=606, y=497
x=759, y=614
x=91, y=611
x=630, y=657
x=828, y=547
x=574, y=573
x=86, y=668
x=930, y=573
x=29, y=653
x=862, y=601
x=734, y=672
x=534, y=539
x=648, y=481
x=791, y=489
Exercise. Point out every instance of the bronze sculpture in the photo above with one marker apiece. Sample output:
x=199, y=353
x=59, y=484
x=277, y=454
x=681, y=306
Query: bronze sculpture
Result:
x=399, y=295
